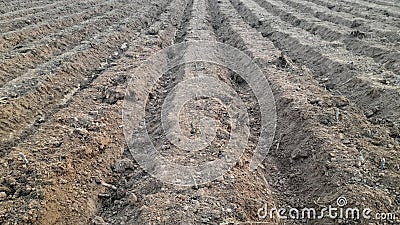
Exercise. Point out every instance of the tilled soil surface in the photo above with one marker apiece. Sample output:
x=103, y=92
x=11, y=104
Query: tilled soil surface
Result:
x=333, y=67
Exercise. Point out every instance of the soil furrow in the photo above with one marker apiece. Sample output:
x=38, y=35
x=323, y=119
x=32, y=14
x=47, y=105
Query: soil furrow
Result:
x=385, y=3
x=234, y=191
x=29, y=33
x=48, y=199
x=387, y=56
x=384, y=10
x=19, y=23
x=72, y=80
x=357, y=77
x=333, y=170
x=40, y=55
x=357, y=11
x=22, y=12
x=34, y=107
x=387, y=34
x=15, y=5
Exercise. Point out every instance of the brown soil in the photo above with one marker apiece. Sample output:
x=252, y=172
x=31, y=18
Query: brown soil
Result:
x=333, y=67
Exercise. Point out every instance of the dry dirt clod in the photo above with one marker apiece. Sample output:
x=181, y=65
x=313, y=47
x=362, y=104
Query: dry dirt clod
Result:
x=154, y=29
x=122, y=165
x=63, y=181
x=325, y=51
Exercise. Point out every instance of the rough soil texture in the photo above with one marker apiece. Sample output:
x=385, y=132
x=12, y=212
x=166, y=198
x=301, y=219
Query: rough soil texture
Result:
x=333, y=66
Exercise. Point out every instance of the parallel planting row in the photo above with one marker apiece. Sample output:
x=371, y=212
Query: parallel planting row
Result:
x=334, y=69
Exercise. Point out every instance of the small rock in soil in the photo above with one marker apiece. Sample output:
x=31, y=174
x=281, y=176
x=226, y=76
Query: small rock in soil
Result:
x=98, y=221
x=360, y=161
x=111, y=96
x=382, y=164
x=3, y=196
x=358, y=34
x=97, y=180
x=132, y=199
x=123, y=165
x=154, y=29
x=298, y=154
x=124, y=46
x=94, y=113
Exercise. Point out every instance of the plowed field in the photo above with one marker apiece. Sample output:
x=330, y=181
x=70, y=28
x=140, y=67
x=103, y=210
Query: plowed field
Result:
x=333, y=68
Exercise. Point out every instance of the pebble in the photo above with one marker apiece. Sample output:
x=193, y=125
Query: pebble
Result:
x=124, y=46
x=122, y=165
x=97, y=180
x=205, y=220
x=62, y=181
x=103, y=64
x=346, y=141
x=94, y=113
x=132, y=198
x=369, y=113
x=397, y=167
x=382, y=164
x=98, y=221
x=360, y=161
x=152, y=31
x=3, y=196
